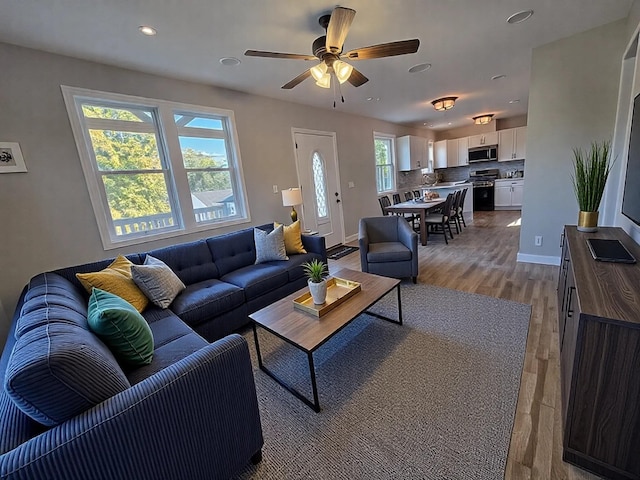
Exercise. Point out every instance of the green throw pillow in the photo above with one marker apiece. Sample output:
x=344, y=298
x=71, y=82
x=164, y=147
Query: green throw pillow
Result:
x=121, y=327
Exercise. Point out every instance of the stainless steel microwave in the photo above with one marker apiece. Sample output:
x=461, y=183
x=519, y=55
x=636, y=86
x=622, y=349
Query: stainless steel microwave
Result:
x=483, y=154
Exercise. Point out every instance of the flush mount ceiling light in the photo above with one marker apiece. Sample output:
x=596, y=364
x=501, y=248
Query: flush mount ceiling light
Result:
x=421, y=67
x=520, y=17
x=147, y=30
x=483, y=119
x=445, y=103
x=229, y=61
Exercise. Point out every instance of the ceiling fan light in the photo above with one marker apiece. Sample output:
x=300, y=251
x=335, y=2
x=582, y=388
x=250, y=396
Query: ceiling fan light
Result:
x=445, y=103
x=324, y=81
x=342, y=70
x=483, y=119
x=319, y=71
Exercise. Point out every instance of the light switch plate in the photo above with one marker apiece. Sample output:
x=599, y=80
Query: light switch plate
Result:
x=351, y=184
x=275, y=189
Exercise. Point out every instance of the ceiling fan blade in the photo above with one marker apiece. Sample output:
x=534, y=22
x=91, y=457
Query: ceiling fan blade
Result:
x=338, y=28
x=299, y=79
x=384, y=50
x=291, y=56
x=356, y=78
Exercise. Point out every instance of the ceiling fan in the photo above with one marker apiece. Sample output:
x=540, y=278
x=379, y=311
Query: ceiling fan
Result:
x=328, y=49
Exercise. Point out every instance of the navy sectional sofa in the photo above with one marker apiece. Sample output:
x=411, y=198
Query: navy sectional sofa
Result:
x=191, y=413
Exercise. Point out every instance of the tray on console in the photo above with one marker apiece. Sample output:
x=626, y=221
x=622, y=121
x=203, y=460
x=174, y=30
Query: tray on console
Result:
x=338, y=290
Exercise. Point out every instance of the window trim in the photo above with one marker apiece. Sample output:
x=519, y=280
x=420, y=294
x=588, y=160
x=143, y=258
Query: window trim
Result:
x=394, y=181
x=168, y=142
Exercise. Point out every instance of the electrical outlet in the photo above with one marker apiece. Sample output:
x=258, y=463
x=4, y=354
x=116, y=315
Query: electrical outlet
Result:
x=538, y=240
x=275, y=189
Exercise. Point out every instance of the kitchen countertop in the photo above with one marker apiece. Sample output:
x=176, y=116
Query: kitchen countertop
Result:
x=446, y=185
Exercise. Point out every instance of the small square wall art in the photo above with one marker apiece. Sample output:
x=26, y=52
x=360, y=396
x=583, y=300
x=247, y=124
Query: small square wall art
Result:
x=11, y=160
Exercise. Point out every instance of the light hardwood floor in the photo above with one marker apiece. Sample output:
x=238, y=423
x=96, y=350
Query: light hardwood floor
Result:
x=482, y=259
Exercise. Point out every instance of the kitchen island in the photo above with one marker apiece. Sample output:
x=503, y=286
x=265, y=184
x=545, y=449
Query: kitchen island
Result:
x=445, y=188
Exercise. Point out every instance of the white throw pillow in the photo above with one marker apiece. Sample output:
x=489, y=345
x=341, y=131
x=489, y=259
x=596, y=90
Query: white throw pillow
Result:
x=157, y=281
x=270, y=246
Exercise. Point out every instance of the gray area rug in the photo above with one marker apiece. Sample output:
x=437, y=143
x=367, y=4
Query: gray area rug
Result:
x=432, y=399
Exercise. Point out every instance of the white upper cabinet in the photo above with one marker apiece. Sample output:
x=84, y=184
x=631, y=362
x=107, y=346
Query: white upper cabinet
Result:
x=484, y=139
x=512, y=144
x=440, y=154
x=412, y=153
x=463, y=151
x=452, y=153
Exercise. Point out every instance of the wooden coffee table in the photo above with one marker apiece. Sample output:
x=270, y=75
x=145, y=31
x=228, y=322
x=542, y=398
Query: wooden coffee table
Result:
x=308, y=333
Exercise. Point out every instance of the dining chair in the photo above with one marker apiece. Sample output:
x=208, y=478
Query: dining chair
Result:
x=408, y=196
x=384, y=203
x=435, y=220
x=461, y=213
x=409, y=217
x=454, y=216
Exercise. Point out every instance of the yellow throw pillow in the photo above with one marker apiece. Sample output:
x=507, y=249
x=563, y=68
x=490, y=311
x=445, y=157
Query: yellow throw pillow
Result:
x=292, y=238
x=116, y=279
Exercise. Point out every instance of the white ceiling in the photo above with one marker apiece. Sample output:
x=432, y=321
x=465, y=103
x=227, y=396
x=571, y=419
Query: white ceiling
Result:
x=466, y=41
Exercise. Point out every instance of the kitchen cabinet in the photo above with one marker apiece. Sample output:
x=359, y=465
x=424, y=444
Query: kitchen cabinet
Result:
x=599, y=343
x=463, y=151
x=512, y=144
x=457, y=152
x=508, y=194
x=484, y=139
x=412, y=153
x=452, y=153
x=440, y=154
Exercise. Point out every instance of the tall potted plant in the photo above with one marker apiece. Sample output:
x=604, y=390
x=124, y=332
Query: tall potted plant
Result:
x=590, y=172
x=316, y=272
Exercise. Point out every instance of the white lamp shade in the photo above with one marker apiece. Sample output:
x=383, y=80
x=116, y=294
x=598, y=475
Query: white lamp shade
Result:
x=291, y=197
x=318, y=71
x=324, y=81
x=343, y=70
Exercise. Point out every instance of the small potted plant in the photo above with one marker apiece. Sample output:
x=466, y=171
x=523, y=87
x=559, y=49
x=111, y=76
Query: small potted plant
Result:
x=590, y=173
x=316, y=272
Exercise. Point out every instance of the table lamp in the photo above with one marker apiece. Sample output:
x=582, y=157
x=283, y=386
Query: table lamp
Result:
x=290, y=198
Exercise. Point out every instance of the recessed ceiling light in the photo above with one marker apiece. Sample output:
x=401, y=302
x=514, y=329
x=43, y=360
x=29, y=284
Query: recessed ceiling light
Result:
x=520, y=17
x=147, y=30
x=229, y=61
x=371, y=99
x=498, y=77
x=514, y=101
x=421, y=67
x=431, y=125
x=449, y=123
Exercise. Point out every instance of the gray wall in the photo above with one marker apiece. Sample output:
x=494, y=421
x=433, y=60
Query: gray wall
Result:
x=572, y=101
x=47, y=220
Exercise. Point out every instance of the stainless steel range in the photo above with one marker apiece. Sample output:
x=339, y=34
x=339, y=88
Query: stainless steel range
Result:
x=483, y=188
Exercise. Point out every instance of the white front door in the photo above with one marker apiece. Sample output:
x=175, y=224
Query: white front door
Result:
x=317, y=165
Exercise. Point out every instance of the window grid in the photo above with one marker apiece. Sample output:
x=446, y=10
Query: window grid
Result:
x=385, y=169
x=139, y=179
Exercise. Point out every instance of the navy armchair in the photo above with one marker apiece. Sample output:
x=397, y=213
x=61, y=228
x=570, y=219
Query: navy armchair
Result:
x=388, y=247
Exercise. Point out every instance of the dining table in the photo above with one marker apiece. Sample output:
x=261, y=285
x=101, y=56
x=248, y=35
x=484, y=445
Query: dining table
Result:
x=421, y=207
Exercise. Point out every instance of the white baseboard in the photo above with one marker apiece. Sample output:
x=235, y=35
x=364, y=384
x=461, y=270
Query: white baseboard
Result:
x=351, y=238
x=541, y=259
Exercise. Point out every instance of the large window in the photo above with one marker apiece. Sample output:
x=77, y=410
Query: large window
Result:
x=154, y=168
x=385, y=160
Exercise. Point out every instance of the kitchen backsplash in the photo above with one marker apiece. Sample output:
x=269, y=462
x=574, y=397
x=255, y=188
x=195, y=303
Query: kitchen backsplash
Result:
x=456, y=174
x=409, y=180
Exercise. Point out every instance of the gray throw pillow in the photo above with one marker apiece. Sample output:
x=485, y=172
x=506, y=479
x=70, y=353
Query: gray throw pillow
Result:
x=157, y=281
x=270, y=246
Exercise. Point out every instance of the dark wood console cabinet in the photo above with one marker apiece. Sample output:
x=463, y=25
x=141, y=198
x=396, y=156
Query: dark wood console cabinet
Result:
x=599, y=337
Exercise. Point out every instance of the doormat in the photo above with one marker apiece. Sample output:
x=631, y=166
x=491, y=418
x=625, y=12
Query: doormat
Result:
x=340, y=251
